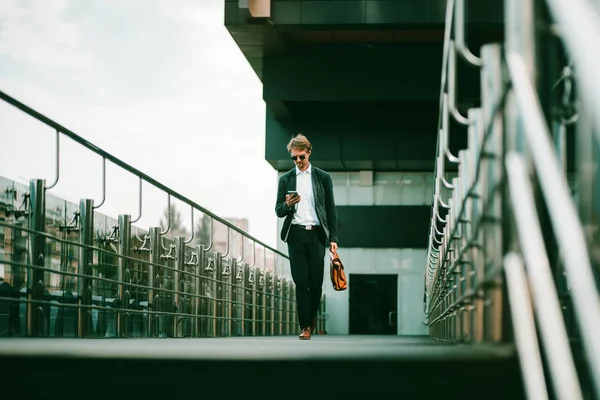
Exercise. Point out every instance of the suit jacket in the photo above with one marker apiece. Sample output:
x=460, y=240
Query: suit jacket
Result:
x=324, y=202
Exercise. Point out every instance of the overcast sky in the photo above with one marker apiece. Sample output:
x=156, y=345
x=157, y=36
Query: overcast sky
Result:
x=159, y=84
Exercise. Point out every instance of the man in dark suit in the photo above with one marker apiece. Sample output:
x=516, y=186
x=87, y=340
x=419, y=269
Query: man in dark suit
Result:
x=310, y=225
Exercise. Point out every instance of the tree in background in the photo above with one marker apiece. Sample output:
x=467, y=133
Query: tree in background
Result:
x=202, y=232
x=177, y=228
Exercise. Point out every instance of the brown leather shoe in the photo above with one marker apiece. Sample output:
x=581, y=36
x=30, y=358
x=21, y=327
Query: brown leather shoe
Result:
x=305, y=335
x=313, y=327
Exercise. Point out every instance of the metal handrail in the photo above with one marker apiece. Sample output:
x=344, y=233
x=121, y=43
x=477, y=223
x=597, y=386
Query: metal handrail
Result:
x=545, y=298
x=524, y=327
x=454, y=15
x=448, y=27
x=563, y=215
x=470, y=191
x=580, y=25
x=90, y=146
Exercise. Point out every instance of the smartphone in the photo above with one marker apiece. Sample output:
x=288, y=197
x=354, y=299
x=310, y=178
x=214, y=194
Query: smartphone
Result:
x=292, y=193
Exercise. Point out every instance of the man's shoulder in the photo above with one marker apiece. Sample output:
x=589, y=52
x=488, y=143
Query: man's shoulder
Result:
x=320, y=172
x=288, y=174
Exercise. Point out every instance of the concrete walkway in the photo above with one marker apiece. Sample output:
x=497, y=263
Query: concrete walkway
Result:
x=256, y=348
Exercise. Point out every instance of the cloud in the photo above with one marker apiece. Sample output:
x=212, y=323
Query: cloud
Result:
x=33, y=34
x=161, y=85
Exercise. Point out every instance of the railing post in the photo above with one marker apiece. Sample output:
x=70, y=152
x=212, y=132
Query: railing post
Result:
x=462, y=256
x=222, y=306
x=187, y=283
x=36, y=313
x=153, y=297
x=198, y=271
x=492, y=188
x=179, y=266
x=124, y=275
x=466, y=261
x=239, y=301
x=209, y=291
x=271, y=302
x=163, y=279
x=84, y=269
x=217, y=288
x=218, y=303
x=285, y=300
x=251, y=298
x=263, y=302
x=476, y=132
x=278, y=310
x=228, y=277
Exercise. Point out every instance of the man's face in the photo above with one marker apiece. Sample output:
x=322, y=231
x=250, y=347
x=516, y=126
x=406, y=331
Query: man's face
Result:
x=300, y=158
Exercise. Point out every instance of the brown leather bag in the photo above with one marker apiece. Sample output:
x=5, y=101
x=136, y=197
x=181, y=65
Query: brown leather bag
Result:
x=336, y=271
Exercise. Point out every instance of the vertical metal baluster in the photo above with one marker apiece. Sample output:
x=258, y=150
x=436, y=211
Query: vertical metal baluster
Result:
x=267, y=304
x=217, y=289
x=462, y=243
x=491, y=87
x=179, y=268
x=476, y=132
x=229, y=286
x=468, y=237
x=263, y=303
x=204, y=299
x=466, y=248
x=86, y=238
x=273, y=303
x=246, y=312
x=204, y=262
x=274, y=308
x=285, y=307
x=240, y=300
x=123, y=275
x=211, y=293
x=271, y=289
x=279, y=306
x=36, y=314
x=253, y=307
x=221, y=275
x=154, y=297
x=226, y=296
x=290, y=308
x=198, y=270
x=234, y=318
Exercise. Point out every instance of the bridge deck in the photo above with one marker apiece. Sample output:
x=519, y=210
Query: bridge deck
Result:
x=325, y=347
x=342, y=366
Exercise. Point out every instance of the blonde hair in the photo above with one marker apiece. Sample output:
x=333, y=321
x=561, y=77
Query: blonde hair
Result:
x=299, y=142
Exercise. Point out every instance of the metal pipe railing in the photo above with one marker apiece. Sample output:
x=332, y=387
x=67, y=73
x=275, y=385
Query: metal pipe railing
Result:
x=119, y=297
x=454, y=20
x=179, y=290
x=107, y=156
x=545, y=298
x=524, y=326
x=563, y=214
x=465, y=248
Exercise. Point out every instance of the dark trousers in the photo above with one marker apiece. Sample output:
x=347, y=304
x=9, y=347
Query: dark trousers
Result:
x=306, y=249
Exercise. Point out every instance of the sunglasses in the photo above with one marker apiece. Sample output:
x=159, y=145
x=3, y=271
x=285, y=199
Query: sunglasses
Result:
x=302, y=157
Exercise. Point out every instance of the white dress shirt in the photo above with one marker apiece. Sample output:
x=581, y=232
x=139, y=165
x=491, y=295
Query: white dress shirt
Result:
x=306, y=212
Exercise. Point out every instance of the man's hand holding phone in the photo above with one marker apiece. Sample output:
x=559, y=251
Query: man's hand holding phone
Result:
x=292, y=197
